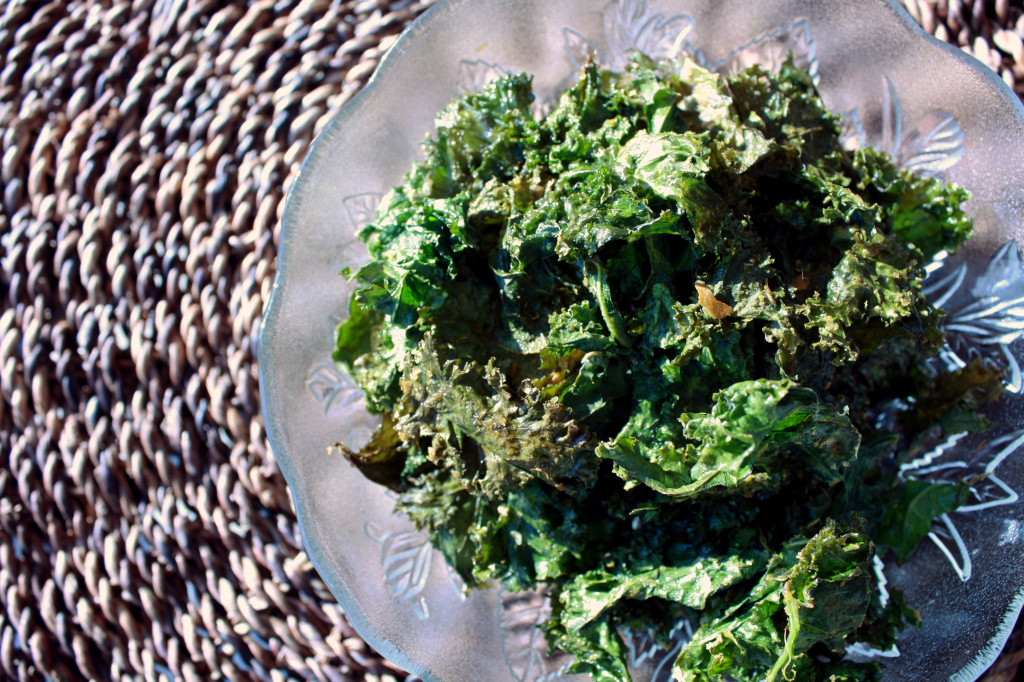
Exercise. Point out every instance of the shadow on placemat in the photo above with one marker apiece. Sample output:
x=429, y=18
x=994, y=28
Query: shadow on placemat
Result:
x=145, y=529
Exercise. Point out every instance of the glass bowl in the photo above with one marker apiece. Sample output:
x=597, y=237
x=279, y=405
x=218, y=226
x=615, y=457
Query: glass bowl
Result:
x=934, y=108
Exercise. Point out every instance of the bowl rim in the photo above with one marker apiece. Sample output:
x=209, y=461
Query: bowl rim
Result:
x=295, y=196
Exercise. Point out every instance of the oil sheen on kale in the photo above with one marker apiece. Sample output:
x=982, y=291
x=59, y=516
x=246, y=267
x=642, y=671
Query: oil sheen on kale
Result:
x=663, y=351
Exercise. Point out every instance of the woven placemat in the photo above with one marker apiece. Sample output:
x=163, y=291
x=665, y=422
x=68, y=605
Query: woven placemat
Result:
x=145, y=529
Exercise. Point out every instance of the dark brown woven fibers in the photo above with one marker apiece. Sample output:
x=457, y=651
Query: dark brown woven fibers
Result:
x=145, y=149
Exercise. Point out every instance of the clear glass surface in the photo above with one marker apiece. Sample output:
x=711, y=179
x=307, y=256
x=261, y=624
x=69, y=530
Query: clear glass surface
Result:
x=935, y=108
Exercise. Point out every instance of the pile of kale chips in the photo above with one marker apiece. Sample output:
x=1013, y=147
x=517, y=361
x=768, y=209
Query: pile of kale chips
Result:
x=664, y=352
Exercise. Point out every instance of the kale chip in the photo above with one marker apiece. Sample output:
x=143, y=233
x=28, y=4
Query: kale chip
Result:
x=637, y=351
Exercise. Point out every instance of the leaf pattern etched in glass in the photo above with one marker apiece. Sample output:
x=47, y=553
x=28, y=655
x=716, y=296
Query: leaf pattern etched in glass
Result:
x=646, y=653
x=630, y=25
x=362, y=208
x=475, y=74
x=984, y=320
x=332, y=388
x=406, y=558
x=772, y=49
x=523, y=643
x=933, y=144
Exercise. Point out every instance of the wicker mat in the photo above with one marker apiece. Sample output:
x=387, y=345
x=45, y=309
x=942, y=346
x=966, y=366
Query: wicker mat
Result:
x=145, y=529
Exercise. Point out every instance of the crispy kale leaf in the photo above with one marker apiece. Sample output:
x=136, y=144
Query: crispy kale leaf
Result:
x=817, y=589
x=755, y=433
x=639, y=351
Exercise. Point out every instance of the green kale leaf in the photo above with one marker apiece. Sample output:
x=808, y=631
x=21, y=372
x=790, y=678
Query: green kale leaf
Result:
x=665, y=353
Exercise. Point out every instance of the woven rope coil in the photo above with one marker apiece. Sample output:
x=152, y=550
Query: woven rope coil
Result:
x=145, y=149
x=145, y=153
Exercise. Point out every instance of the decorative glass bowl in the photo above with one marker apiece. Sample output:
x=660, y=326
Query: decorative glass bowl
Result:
x=934, y=108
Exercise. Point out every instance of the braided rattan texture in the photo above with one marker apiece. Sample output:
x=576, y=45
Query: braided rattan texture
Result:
x=145, y=529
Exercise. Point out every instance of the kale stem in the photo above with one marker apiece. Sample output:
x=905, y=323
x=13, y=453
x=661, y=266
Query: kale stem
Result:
x=792, y=633
x=598, y=285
